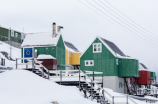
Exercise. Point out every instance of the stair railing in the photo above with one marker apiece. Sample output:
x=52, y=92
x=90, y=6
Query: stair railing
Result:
x=101, y=89
x=33, y=62
x=46, y=72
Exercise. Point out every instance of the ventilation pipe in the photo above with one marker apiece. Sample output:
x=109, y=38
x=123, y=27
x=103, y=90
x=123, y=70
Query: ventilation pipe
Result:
x=59, y=28
x=54, y=29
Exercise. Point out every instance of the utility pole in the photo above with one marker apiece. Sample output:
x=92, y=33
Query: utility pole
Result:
x=10, y=43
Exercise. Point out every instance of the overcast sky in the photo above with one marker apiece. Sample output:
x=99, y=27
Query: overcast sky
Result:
x=82, y=25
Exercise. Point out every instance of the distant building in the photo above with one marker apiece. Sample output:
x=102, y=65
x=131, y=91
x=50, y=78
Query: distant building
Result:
x=12, y=37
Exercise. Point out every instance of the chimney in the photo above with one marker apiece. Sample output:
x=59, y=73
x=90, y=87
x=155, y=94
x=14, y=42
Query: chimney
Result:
x=59, y=28
x=54, y=29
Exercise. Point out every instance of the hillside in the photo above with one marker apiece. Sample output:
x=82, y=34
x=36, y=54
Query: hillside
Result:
x=24, y=87
x=16, y=53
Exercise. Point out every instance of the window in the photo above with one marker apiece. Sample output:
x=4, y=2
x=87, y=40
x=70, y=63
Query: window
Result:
x=89, y=63
x=70, y=54
x=12, y=33
x=116, y=61
x=16, y=34
x=97, y=47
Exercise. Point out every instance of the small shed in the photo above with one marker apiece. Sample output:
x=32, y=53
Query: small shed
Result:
x=144, y=77
x=48, y=61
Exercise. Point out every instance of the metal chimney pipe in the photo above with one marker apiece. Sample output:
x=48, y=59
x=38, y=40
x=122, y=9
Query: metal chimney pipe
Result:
x=54, y=29
x=59, y=28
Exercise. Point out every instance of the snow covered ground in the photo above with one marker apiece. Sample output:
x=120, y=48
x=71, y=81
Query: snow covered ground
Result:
x=24, y=87
x=16, y=53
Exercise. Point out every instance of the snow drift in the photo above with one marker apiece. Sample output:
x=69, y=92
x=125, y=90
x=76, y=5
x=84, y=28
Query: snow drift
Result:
x=24, y=87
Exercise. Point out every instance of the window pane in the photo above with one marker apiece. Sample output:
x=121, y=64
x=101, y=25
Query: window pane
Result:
x=99, y=49
x=95, y=49
x=91, y=62
x=99, y=45
x=94, y=45
x=87, y=63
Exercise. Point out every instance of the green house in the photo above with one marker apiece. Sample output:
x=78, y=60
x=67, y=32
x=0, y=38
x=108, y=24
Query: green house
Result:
x=44, y=43
x=7, y=34
x=152, y=75
x=104, y=56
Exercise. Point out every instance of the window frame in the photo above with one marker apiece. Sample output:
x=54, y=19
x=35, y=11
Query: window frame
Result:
x=16, y=35
x=12, y=33
x=97, y=47
x=89, y=62
x=117, y=61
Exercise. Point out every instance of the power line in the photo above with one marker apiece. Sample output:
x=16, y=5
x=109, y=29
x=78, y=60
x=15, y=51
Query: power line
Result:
x=115, y=24
x=127, y=22
x=130, y=19
x=121, y=24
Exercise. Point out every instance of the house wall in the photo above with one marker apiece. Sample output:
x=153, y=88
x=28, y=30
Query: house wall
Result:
x=72, y=58
x=66, y=57
x=75, y=58
x=103, y=62
x=60, y=53
x=48, y=50
x=152, y=75
x=128, y=68
x=115, y=83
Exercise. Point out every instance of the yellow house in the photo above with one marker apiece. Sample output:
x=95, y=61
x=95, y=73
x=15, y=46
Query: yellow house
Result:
x=72, y=55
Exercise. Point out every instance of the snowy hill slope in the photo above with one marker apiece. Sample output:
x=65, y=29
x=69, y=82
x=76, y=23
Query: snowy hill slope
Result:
x=24, y=87
x=16, y=53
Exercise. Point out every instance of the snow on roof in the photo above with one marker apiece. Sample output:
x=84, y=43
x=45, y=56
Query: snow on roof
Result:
x=40, y=39
x=142, y=67
x=114, y=48
x=70, y=47
x=43, y=56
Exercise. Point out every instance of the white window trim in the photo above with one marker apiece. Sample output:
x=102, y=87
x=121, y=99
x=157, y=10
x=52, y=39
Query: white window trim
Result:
x=116, y=61
x=70, y=54
x=12, y=33
x=97, y=47
x=89, y=62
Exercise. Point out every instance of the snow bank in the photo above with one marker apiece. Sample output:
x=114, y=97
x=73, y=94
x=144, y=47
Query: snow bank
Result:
x=24, y=87
x=16, y=53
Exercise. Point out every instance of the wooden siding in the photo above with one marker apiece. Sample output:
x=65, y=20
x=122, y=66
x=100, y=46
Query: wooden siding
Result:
x=128, y=68
x=60, y=53
x=103, y=62
x=73, y=59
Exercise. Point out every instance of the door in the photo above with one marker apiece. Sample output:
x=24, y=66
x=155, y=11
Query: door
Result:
x=28, y=53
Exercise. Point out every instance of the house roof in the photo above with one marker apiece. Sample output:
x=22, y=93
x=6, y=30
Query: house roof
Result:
x=113, y=47
x=40, y=39
x=70, y=47
x=143, y=66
